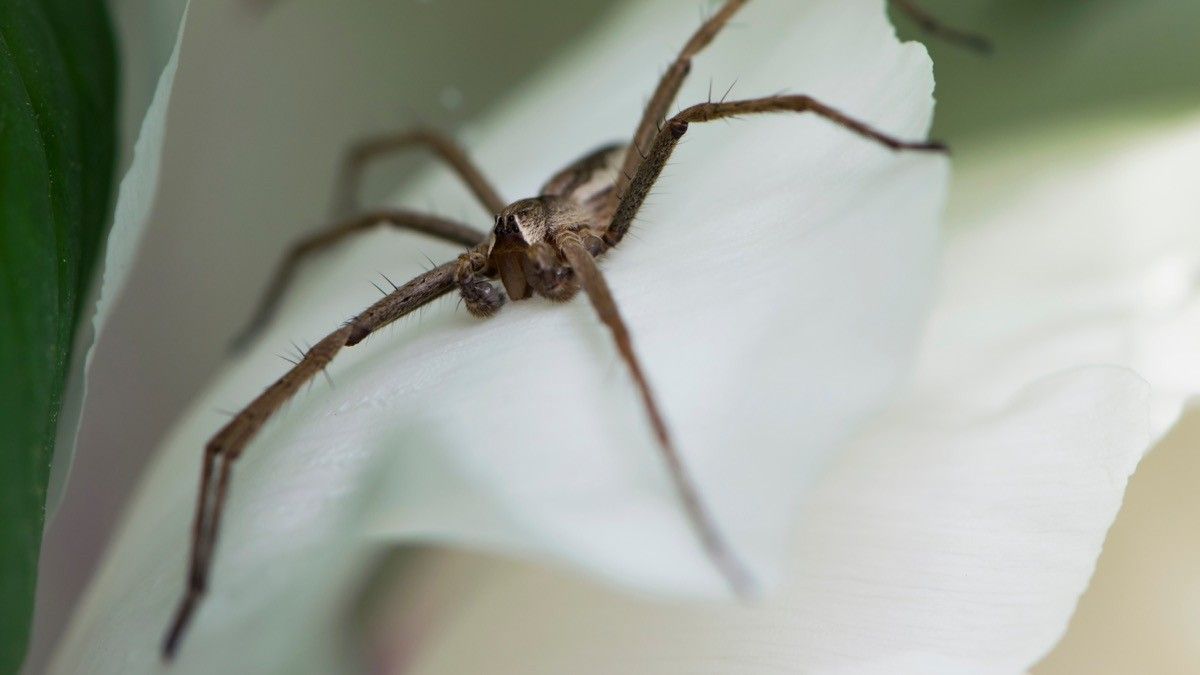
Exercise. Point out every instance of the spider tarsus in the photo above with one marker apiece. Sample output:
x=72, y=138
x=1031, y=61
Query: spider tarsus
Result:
x=928, y=146
x=978, y=43
x=174, y=636
x=897, y=145
x=740, y=581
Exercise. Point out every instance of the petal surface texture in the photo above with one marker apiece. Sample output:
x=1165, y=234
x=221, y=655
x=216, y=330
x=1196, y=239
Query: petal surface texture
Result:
x=931, y=547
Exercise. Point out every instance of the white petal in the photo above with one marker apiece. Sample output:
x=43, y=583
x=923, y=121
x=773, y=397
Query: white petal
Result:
x=1092, y=256
x=959, y=534
x=774, y=288
x=932, y=546
x=798, y=293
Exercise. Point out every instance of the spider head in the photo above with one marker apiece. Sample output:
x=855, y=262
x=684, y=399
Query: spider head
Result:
x=523, y=223
x=522, y=226
x=519, y=225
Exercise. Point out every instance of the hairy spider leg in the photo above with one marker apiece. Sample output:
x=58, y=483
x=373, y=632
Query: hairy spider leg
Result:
x=666, y=91
x=401, y=219
x=442, y=146
x=668, y=137
x=228, y=444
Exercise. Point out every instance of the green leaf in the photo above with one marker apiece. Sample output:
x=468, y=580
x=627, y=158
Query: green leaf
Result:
x=57, y=140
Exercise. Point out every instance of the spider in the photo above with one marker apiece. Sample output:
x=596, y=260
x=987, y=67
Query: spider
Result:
x=545, y=245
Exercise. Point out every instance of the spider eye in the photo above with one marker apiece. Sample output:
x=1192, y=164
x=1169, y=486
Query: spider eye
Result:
x=506, y=224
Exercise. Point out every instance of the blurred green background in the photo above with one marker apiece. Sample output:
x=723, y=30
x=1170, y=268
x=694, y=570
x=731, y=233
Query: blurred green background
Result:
x=1057, y=61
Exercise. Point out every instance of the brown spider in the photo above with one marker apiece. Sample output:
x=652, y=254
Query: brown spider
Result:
x=545, y=245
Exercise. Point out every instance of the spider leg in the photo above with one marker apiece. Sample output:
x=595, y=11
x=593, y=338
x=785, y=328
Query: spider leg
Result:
x=668, y=88
x=228, y=444
x=442, y=146
x=442, y=228
x=666, y=140
x=930, y=24
x=593, y=283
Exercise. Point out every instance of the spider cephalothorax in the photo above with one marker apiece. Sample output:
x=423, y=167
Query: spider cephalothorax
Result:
x=524, y=250
x=546, y=245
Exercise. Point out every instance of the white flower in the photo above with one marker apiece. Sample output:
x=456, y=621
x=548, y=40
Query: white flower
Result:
x=956, y=535
x=775, y=287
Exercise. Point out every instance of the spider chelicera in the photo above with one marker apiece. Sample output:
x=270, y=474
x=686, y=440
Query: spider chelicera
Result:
x=545, y=245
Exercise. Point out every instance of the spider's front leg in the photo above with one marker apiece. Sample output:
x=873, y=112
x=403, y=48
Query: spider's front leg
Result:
x=227, y=446
x=649, y=169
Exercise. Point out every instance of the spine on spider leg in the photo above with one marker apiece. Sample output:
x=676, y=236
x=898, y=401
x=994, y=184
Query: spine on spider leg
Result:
x=338, y=232
x=647, y=173
x=225, y=448
x=234, y=436
x=668, y=88
x=229, y=443
x=420, y=291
